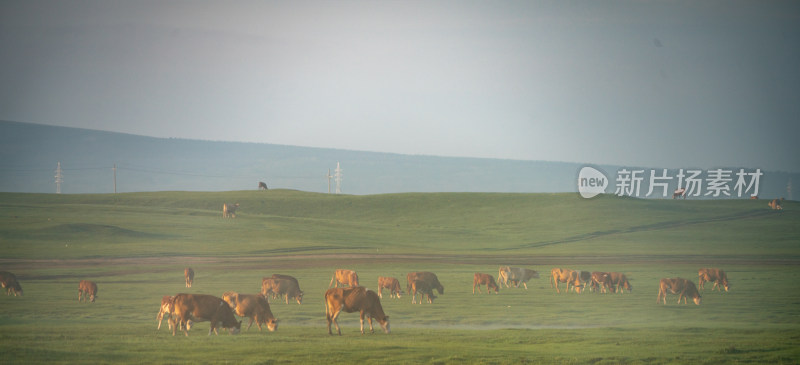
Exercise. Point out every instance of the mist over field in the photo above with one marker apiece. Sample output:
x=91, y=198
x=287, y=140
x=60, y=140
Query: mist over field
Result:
x=30, y=153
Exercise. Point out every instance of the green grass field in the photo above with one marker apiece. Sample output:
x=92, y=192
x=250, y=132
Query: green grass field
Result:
x=135, y=247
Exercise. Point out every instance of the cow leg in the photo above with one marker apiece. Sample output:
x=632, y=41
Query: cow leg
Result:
x=251, y=324
x=525, y=284
x=160, y=317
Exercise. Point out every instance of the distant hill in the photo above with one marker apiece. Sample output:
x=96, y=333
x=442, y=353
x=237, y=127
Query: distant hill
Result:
x=29, y=154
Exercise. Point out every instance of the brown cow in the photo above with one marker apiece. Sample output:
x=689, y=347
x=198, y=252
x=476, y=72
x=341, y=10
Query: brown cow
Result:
x=10, y=283
x=719, y=277
x=558, y=275
x=775, y=204
x=602, y=281
x=391, y=284
x=424, y=289
x=166, y=303
x=355, y=299
x=684, y=288
x=620, y=281
x=277, y=287
x=253, y=306
x=425, y=276
x=579, y=280
x=483, y=279
x=344, y=277
x=202, y=307
x=229, y=210
x=188, y=274
x=87, y=290
x=516, y=275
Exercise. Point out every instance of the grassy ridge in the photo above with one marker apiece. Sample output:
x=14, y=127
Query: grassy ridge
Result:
x=135, y=246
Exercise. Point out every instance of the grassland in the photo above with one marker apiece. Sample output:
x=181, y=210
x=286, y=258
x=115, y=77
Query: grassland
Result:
x=136, y=245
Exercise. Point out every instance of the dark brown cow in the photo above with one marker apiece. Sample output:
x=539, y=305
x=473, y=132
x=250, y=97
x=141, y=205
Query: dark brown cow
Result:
x=602, y=281
x=356, y=299
x=516, y=275
x=253, y=306
x=277, y=287
x=391, y=284
x=684, y=288
x=202, y=307
x=620, y=281
x=425, y=276
x=345, y=278
x=87, y=290
x=424, y=289
x=483, y=279
x=558, y=275
x=9, y=282
x=188, y=274
x=719, y=277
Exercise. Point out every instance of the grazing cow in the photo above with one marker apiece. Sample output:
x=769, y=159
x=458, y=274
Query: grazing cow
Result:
x=276, y=286
x=199, y=308
x=355, y=299
x=620, y=281
x=391, y=284
x=719, y=277
x=602, y=281
x=558, y=275
x=775, y=204
x=425, y=276
x=424, y=289
x=484, y=279
x=229, y=210
x=253, y=306
x=87, y=290
x=166, y=303
x=679, y=193
x=516, y=275
x=344, y=277
x=684, y=288
x=10, y=283
x=188, y=274
x=262, y=186
x=579, y=280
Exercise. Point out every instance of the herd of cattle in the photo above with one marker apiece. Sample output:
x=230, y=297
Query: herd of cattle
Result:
x=346, y=294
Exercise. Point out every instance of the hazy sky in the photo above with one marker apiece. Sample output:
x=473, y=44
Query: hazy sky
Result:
x=649, y=83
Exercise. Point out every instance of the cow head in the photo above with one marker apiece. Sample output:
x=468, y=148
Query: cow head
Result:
x=385, y=324
x=299, y=297
x=236, y=328
x=17, y=289
x=92, y=297
x=272, y=324
x=697, y=300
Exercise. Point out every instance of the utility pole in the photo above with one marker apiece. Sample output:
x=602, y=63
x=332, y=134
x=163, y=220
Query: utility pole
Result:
x=329, y=180
x=115, y=178
x=59, y=178
x=338, y=178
